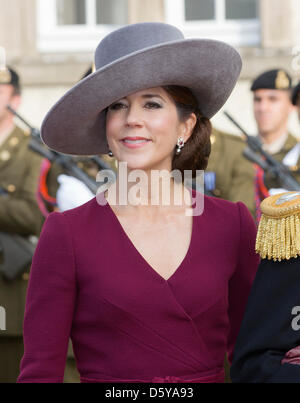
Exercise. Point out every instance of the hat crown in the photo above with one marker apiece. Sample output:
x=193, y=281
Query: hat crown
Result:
x=133, y=38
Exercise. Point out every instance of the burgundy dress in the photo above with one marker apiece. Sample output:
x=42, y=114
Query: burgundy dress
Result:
x=126, y=322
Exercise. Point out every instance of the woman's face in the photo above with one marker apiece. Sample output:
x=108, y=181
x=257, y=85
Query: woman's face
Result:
x=143, y=128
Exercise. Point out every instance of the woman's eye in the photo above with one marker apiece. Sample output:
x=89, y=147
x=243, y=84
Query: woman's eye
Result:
x=116, y=106
x=153, y=105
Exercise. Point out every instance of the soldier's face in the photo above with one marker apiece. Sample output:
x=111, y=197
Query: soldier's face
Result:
x=7, y=97
x=272, y=109
x=152, y=115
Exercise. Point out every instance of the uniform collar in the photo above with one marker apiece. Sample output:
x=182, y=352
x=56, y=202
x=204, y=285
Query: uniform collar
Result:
x=276, y=145
x=4, y=135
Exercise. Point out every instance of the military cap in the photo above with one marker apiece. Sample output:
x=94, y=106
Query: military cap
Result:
x=9, y=76
x=277, y=79
x=278, y=235
x=296, y=92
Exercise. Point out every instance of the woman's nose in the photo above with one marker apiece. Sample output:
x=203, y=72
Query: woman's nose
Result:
x=134, y=117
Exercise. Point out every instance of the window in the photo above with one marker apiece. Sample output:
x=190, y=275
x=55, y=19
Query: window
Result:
x=232, y=21
x=77, y=25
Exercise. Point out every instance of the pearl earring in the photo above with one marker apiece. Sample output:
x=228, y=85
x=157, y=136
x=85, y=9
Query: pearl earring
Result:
x=110, y=154
x=180, y=145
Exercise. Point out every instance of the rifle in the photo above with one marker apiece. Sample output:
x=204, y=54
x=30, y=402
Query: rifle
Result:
x=255, y=153
x=66, y=161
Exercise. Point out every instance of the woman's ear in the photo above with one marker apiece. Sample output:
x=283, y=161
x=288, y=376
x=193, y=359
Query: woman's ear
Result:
x=188, y=126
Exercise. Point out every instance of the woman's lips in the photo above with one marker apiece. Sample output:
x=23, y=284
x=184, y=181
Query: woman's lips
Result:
x=135, y=143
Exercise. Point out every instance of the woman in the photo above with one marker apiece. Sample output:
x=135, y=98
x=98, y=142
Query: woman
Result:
x=146, y=292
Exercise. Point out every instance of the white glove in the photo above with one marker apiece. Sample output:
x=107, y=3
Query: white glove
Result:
x=72, y=193
x=276, y=191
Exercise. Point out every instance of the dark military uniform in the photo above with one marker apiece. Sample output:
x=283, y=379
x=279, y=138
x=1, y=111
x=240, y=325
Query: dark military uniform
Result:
x=19, y=213
x=267, y=348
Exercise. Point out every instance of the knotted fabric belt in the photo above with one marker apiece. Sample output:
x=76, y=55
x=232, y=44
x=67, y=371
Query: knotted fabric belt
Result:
x=208, y=377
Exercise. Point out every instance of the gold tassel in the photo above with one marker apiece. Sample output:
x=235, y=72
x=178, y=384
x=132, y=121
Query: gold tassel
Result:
x=278, y=238
x=278, y=235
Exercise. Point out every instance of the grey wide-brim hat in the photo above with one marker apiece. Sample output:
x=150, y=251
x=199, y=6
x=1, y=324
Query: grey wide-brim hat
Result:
x=130, y=59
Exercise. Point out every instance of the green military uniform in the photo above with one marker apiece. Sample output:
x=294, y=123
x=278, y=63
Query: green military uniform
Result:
x=19, y=213
x=279, y=156
x=235, y=175
x=88, y=166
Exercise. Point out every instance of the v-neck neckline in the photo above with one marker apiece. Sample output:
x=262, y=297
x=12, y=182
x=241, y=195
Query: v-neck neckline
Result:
x=141, y=257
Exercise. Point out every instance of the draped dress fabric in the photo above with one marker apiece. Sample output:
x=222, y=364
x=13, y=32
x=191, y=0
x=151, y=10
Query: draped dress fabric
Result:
x=126, y=322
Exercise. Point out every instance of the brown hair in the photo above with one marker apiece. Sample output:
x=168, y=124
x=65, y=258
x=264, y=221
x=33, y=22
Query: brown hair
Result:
x=194, y=155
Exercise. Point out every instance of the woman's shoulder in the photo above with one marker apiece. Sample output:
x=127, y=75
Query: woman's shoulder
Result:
x=215, y=204
x=226, y=212
x=80, y=216
x=80, y=210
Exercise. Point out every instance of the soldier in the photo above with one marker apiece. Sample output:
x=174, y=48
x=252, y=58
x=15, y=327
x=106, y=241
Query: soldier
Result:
x=19, y=214
x=268, y=345
x=233, y=172
x=236, y=177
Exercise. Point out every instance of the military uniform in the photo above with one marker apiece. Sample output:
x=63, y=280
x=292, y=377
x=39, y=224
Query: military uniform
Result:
x=268, y=345
x=234, y=173
x=19, y=213
x=88, y=166
x=236, y=176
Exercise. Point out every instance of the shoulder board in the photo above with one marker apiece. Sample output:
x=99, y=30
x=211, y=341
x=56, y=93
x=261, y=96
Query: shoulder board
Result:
x=21, y=132
x=227, y=136
x=278, y=235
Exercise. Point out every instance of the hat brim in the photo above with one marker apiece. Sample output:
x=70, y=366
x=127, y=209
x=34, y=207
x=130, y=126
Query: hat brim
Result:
x=76, y=123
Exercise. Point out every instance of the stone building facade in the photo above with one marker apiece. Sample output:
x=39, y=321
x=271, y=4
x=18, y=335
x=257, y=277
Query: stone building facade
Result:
x=51, y=42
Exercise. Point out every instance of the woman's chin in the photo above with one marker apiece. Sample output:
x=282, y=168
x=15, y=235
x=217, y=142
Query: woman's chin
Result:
x=138, y=162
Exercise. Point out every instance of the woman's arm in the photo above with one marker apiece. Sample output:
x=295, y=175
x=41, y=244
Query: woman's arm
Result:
x=50, y=304
x=242, y=279
x=267, y=331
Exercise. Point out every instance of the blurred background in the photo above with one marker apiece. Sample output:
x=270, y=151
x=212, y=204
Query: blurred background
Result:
x=51, y=42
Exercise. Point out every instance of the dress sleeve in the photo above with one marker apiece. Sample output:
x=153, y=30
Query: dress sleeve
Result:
x=49, y=305
x=267, y=332
x=242, y=279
